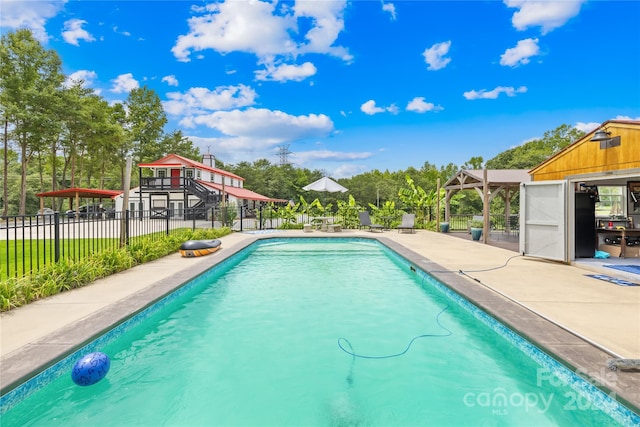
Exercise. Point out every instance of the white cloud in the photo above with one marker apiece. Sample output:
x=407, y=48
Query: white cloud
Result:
x=262, y=124
x=393, y=109
x=198, y=100
x=493, y=94
x=252, y=132
x=391, y=8
x=285, y=72
x=626, y=118
x=119, y=31
x=370, y=108
x=520, y=54
x=434, y=55
x=327, y=155
x=546, y=14
x=327, y=19
x=242, y=26
x=586, y=127
x=124, y=83
x=349, y=170
x=170, y=80
x=233, y=149
x=268, y=30
x=419, y=105
x=73, y=32
x=85, y=76
x=590, y=126
x=23, y=14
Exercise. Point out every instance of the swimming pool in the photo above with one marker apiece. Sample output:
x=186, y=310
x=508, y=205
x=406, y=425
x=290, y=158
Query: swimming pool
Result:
x=255, y=341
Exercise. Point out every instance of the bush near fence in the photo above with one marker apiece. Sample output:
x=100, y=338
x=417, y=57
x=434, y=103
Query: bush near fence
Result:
x=67, y=274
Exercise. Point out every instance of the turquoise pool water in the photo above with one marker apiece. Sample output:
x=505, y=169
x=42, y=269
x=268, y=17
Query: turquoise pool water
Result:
x=255, y=342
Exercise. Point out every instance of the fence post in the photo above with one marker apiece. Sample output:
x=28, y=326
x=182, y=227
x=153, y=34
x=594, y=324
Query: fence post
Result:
x=167, y=217
x=126, y=227
x=260, y=212
x=56, y=236
x=241, y=221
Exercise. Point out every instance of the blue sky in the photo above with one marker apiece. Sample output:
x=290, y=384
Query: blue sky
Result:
x=351, y=86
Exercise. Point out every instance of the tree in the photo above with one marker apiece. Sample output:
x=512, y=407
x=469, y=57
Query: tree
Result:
x=125, y=146
x=473, y=163
x=76, y=121
x=29, y=79
x=145, y=124
x=532, y=153
x=106, y=137
x=175, y=142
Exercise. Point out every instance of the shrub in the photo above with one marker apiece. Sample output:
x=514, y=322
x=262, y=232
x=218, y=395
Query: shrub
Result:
x=70, y=274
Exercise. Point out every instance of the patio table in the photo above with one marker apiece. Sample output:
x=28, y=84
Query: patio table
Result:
x=324, y=221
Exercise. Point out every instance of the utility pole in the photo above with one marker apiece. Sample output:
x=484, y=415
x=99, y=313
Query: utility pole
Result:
x=283, y=153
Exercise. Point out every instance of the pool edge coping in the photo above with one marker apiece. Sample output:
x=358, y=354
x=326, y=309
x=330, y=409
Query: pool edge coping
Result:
x=47, y=351
x=555, y=340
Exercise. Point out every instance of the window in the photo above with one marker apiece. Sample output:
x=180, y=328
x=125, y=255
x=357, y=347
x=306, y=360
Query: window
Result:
x=613, y=201
x=189, y=173
x=162, y=173
x=198, y=174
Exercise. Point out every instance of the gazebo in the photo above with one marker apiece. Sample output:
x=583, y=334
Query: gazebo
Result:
x=75, y=194
x=489, y=183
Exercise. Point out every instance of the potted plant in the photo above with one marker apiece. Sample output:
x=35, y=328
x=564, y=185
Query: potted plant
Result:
x=476, y=229
x=444, y=227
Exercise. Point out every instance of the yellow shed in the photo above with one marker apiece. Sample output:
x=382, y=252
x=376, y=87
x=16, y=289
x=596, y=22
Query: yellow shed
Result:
x=586, y=198
x=619, y=151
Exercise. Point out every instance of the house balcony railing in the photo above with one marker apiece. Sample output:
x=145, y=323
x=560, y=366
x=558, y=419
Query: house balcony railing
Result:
x=154, y=183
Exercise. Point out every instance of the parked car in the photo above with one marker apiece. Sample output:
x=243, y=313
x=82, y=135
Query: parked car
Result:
x=86, y=211
x=47, y=215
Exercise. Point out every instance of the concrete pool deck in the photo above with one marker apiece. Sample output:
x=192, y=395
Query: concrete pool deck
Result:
x=580, y=320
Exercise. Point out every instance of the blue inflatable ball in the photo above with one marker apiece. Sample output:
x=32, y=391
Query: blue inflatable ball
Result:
x=90, y=369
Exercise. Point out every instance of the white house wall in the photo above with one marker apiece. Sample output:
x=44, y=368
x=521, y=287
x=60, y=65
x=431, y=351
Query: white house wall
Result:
x=134, y=197
x=202, y=175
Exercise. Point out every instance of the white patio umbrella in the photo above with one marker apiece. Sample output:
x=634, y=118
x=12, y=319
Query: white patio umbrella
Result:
x=325, y=184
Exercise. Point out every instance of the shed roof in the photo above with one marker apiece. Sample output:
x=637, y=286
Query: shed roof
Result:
x=82, y=192
x=471, y=178
x=583, y=156
x=241, y=193
x=175, y=160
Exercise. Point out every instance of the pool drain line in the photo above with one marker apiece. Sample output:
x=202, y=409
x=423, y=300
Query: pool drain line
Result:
x=350, y=351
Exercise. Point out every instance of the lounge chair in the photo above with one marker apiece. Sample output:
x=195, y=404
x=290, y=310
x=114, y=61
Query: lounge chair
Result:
x=365, y=221
x=408, y=223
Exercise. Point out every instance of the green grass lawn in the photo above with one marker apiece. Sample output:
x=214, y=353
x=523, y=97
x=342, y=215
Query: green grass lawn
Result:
x=18, y=257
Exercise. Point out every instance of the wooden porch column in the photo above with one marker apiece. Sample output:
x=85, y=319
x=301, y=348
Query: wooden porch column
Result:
x=485, y=206
x=438, y=204
x=507, y=209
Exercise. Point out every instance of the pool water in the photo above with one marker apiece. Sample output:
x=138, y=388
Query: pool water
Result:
x=255, y=342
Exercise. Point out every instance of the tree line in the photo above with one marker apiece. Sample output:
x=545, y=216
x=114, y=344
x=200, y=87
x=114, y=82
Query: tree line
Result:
x=58, y=134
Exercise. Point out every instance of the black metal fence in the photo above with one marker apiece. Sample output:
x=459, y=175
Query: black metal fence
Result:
x=29, y=242
x=497, y=222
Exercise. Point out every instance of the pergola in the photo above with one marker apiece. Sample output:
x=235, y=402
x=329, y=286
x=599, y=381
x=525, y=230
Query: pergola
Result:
x=77, y=193
x=489, y=183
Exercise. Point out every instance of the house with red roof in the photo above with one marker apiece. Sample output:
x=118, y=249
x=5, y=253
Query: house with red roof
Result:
x=177, y=186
